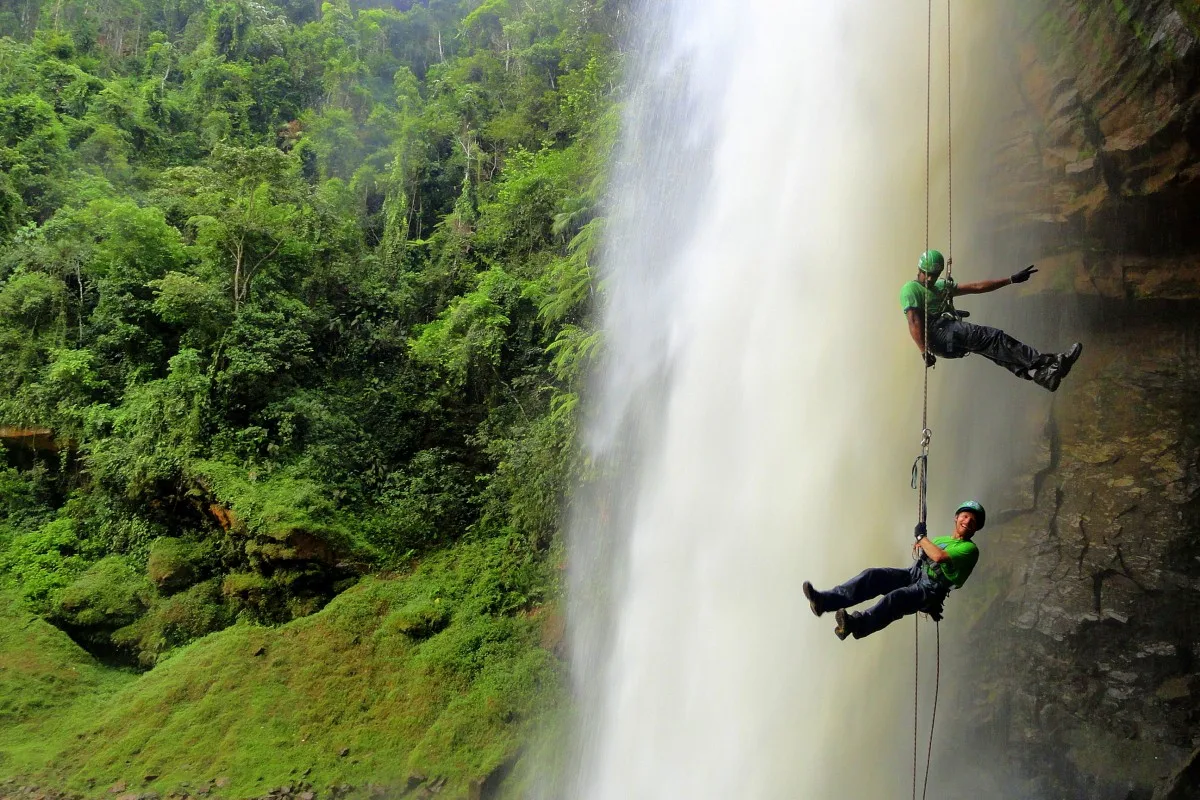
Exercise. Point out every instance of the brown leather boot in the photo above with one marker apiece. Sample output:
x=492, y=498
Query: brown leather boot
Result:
x=814, y=599
x=845, y=624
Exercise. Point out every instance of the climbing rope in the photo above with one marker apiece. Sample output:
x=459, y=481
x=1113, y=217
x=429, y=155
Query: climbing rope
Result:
x=937, y=679
x=916, y=683
x=920, y=470
x=921, y=465
x=949, y=162
x=928, y=110
x=937, y=626
x=925, y=432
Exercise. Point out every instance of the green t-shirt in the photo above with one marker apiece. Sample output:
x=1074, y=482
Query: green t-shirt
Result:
x=914, y=295
x=963, y=557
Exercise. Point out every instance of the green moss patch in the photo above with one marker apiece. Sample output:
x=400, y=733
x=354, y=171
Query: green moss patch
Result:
x=48, y=685
x=174, y=564
x=425, y=673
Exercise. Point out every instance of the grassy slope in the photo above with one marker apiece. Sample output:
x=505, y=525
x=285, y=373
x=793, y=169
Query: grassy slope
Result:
x=47, y=684
x=261, y=705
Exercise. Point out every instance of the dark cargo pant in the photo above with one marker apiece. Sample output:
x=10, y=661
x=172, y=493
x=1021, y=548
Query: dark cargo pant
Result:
x=905, y=591
x=955, y=339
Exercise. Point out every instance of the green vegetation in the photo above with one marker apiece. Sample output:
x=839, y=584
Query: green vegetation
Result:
x=420, y=676
x=303, y=294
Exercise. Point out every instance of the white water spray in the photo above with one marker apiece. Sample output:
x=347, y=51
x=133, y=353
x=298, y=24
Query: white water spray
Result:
x=759, y=407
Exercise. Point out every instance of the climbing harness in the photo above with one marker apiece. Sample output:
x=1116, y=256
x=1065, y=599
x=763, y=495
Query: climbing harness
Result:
x=920, y=468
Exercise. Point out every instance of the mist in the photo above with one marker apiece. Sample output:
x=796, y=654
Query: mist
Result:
x=759, y=405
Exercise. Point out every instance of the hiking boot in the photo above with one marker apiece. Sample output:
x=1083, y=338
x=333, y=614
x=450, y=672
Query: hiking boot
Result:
x=1067, y=360
x=814, y=599
x=1051, y=373
x=845, y=624
x=1049, y=376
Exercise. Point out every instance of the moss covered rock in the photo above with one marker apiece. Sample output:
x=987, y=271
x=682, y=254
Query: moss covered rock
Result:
x=420, y=619
x=110, y=594
x=174, y=621
x=246, y=586
x=175, y=564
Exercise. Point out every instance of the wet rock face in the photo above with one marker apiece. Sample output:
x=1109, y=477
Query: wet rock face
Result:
x=1088, y=647
x=1102, y=162
x=1085, y=650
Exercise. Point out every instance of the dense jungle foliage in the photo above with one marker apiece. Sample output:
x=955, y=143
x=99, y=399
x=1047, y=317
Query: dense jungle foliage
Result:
x=290, y=292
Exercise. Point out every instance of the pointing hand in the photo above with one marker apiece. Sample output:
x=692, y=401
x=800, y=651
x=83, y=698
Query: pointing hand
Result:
x=1023, y=275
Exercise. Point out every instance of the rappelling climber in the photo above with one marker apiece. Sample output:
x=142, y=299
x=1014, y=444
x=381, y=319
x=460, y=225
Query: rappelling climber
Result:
x=950, y=337
x=942, y=564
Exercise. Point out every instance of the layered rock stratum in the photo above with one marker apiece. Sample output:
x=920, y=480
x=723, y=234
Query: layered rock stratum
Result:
x=1086, y=646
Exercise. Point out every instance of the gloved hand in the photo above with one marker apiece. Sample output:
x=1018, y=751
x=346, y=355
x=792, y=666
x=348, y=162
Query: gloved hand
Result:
x=930, y=358
x=1023, y=275
x=919, y=531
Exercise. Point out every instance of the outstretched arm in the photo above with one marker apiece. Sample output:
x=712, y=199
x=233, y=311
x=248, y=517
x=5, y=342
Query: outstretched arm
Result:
x=916, y=327
x=983, y=287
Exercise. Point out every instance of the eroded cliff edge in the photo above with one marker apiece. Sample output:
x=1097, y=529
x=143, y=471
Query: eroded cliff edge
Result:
x=1086, y=644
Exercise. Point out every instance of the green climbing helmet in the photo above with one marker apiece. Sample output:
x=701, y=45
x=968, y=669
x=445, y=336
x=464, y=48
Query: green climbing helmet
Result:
x=931, y=262
x=976, y=509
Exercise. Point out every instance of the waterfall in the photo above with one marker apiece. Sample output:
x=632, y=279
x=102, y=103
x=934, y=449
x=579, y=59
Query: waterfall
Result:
x=757, y=411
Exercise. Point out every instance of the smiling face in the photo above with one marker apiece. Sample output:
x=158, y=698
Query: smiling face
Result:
x=965, y=525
